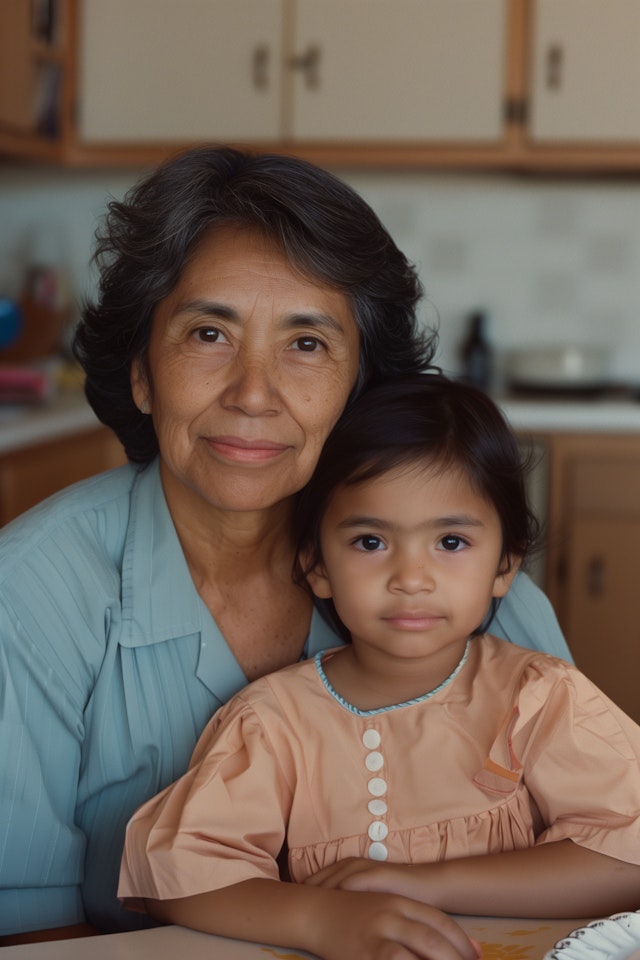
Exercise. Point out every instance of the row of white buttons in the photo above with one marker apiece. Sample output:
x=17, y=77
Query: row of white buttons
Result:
x=378, y=829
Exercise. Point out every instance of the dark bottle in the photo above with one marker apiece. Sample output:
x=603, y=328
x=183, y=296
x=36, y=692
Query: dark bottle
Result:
x=476, y=353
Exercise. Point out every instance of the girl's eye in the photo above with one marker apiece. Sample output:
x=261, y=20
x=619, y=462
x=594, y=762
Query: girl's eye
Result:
x=307, y=344
x=452, y=543
x=369, y=543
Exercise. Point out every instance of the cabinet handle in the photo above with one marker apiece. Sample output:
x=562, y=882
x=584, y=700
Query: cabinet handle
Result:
x=260, y=67
x=596, y=577
x=309, y=64
x=555, y=64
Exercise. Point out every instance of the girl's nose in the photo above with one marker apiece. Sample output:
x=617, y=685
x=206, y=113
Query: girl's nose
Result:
x=412, y=574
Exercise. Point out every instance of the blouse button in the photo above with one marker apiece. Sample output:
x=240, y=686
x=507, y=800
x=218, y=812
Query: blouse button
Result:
x=377, y=807
x=378, y=830
x=371, y=739
x=377, y=787
x=378, y=851
x=374, y=761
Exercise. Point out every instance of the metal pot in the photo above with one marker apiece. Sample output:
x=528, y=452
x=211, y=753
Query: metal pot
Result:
x=568, y=366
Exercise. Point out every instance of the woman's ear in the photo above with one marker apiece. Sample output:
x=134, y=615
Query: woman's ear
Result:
x=509, y=566
x=140, y=390
x=319, y=582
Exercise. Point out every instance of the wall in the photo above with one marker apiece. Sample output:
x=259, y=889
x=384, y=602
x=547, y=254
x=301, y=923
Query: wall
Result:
x=551, y=260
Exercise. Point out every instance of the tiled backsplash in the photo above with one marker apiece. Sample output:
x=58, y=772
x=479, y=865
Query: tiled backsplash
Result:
x=550, y=260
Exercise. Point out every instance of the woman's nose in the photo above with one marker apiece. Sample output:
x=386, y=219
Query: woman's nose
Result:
x=251, y=387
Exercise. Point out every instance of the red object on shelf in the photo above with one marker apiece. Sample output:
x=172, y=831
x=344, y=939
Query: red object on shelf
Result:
x=24, y=384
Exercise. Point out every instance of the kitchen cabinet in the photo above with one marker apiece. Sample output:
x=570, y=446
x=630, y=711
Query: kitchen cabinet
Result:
x=585, y=72
x=593, y=535
x=33, y=472
x=379, y=81
x=581, y=95
x=528, y=85
x=353, y=69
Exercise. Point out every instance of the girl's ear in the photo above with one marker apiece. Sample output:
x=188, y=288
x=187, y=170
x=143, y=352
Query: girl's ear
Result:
x=509, y=566
x=319, y=582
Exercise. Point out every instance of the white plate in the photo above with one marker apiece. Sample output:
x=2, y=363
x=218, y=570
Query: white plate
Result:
x=616, y=938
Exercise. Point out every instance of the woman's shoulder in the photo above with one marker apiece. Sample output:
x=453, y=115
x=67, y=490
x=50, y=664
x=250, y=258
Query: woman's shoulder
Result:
x=87, y=517
x=525, y=617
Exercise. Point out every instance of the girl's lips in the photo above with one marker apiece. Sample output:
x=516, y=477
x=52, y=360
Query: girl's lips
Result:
x=246, y=451
x=413, y=621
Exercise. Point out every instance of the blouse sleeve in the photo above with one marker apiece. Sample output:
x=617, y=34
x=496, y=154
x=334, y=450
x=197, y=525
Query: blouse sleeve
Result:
x=581, y=764
x=221, y=823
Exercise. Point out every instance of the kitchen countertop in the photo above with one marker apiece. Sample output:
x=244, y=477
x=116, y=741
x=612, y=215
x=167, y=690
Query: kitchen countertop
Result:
x=69, y=413
x=23, y=425
x=590, y=415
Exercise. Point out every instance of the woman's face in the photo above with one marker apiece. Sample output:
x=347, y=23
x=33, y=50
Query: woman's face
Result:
x=249, y=365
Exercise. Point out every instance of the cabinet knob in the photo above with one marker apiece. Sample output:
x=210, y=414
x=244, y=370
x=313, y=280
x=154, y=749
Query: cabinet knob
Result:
x=309, y=64
x=554, y=66
x=260, y=67
x=596, y=577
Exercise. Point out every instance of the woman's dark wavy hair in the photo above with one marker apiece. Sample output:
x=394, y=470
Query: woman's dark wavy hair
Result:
x=325, y=229
x=425, y=418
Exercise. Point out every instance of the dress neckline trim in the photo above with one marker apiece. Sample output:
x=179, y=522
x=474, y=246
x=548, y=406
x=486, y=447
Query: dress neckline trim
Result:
x=394, y=706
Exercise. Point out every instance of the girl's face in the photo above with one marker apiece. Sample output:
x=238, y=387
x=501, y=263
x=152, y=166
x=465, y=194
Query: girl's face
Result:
x=411, y=560
x=249, y=365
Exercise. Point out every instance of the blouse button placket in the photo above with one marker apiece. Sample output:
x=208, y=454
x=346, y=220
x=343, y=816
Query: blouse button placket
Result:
x=377, y=786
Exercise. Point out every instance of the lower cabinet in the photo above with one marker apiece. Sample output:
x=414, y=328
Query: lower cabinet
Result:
x=593, y=557
x=30, y=474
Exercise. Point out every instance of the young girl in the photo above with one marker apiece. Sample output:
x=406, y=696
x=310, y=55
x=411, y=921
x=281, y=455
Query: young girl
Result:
x=425, y=763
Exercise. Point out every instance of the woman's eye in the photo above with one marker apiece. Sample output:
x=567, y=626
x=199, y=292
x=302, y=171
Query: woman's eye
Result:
x=369, y=543
x=307, y=344
x=452, y=543
x=210, y=335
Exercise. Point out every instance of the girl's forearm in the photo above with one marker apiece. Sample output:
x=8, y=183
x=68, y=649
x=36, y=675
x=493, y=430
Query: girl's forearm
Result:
x=333, y=924
x=561, y=879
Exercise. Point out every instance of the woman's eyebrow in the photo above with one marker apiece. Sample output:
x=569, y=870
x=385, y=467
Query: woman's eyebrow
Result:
x=293, y=321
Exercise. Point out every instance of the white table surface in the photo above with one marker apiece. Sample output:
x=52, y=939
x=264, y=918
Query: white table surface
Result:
x=501, y=939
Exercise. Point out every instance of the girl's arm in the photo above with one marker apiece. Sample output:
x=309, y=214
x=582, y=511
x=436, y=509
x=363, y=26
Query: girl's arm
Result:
x=560, y=879
x=334, y=924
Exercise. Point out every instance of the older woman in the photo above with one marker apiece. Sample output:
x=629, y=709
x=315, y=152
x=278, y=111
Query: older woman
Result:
x=243, y=301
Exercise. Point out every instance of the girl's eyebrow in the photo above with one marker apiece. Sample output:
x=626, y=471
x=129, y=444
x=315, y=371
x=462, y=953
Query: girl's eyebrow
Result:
x=455, y=520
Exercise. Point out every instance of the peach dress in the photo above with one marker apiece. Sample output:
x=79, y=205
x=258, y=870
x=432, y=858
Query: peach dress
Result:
x=516, y=748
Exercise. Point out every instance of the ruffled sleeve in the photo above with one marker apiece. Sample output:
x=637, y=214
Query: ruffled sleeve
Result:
x=580, y=759
x=221, y=823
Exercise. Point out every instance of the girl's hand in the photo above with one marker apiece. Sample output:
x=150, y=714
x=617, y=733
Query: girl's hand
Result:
x=358, y=873
x=380, y=926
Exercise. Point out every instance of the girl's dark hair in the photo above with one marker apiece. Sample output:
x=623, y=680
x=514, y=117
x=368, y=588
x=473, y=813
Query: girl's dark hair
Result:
x=324, y=228
x=415, y=418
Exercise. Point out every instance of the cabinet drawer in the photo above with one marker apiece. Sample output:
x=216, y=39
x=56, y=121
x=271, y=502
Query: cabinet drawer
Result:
x=33, y=473
x=606, y=487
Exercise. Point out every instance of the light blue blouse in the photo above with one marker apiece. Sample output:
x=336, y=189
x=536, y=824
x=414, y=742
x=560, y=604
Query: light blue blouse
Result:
x=110, y=666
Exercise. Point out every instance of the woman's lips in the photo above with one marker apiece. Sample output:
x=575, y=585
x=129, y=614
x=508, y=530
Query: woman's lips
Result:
x=246, y=451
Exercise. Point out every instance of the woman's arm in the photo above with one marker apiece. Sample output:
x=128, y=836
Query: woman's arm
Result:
x=333, y=924
x=560, y=879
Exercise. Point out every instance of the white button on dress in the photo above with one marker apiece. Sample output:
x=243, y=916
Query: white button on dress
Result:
x=374, y=761
x=378, y=851
x=371, y=739
x=377, y=787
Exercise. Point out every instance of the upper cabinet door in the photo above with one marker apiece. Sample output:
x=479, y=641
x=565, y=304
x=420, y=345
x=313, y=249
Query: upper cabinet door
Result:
x=399, y=70
x=160, y=70
x=585, y=71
